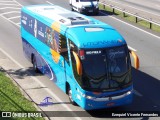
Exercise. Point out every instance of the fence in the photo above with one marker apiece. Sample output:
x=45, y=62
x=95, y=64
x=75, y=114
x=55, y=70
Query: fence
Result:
x=125, y=11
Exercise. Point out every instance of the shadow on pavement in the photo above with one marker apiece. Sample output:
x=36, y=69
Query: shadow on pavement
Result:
x=105, y=13
x=21, y=73
x=101, y=13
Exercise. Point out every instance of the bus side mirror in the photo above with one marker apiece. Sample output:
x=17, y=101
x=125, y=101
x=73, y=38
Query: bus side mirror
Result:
x=78, y=63
x=136, y=59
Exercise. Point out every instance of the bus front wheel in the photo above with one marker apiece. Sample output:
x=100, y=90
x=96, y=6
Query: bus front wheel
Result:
x=70, y=96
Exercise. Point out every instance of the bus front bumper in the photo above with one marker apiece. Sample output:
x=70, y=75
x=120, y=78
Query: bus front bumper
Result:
x=100, y=103
x=89, y=10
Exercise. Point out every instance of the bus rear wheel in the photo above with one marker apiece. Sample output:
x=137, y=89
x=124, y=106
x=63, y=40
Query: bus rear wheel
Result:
x=35, y=65
x=70, y=97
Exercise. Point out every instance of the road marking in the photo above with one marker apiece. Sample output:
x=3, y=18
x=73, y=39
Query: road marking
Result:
x=49, y=3
x=9, y=20
x=9, y=8
x=136, y=8
x=14, y=17
x=131, y=25
x=137, y=93
x=18, y=24
x=5, y=1
x=9, y=12
x=9, y=4
x=158, y=6
x=18, y=3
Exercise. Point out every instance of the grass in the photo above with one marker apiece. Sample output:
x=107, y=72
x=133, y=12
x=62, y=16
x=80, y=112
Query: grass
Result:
x=11, y=99
x=130, y=18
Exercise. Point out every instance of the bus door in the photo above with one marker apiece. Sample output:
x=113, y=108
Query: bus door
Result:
x=64, y=61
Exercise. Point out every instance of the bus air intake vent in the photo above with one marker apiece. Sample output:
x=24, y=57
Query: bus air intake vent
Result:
x=80, y=18
x=62, y=20
x=71, y=18
x=78, y=21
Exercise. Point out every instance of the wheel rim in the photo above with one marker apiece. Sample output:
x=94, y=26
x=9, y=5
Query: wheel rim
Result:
x=70, y=95
x=34, y=64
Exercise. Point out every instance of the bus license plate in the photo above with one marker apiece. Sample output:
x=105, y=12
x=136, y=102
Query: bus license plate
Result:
x=110, y=104
x=90, y=11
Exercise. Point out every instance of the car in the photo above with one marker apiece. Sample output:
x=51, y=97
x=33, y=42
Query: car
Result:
x=85, y=6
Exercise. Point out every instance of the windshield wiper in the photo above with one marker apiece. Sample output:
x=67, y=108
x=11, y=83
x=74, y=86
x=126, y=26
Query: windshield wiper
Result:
x=112, y=74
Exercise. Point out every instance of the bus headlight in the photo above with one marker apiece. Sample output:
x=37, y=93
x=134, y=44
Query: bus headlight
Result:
x=88, y=97
x=128, y=93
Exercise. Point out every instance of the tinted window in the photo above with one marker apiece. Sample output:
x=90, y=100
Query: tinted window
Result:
x=52, y=39
x=74, y=48
x=118, y=60
x=106, y=69
x=94, y=64
x=63, y=48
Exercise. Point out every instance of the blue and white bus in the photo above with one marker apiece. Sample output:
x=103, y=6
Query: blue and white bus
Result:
x=86, y=58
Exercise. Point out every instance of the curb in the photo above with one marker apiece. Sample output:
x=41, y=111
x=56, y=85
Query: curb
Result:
x=23, y=92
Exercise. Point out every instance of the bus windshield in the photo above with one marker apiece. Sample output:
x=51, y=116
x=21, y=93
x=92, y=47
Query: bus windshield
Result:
x=106, y=69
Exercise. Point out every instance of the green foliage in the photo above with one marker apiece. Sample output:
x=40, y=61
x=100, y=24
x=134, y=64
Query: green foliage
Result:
x=11, y=99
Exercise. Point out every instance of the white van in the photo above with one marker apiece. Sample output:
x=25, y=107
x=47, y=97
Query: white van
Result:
x=84, y=6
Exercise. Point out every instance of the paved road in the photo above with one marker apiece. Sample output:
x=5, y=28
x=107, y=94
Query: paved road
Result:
x=143, y=8
x=146, y=80
x=152, y=6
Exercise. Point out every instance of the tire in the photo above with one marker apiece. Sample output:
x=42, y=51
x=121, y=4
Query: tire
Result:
x=72, y=8
x=70, y=97
x=97, y=12
x=35, y=68
x=79, y=10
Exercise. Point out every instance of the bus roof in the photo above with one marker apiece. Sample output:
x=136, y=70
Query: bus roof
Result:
x=84, y=31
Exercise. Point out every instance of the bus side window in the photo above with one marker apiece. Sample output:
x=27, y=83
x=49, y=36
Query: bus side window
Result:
x=48, y=35
x=73, y=47
x=76, y=75
x=63, y=48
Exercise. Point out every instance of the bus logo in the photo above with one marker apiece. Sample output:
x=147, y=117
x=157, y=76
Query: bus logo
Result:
x=35, y=28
